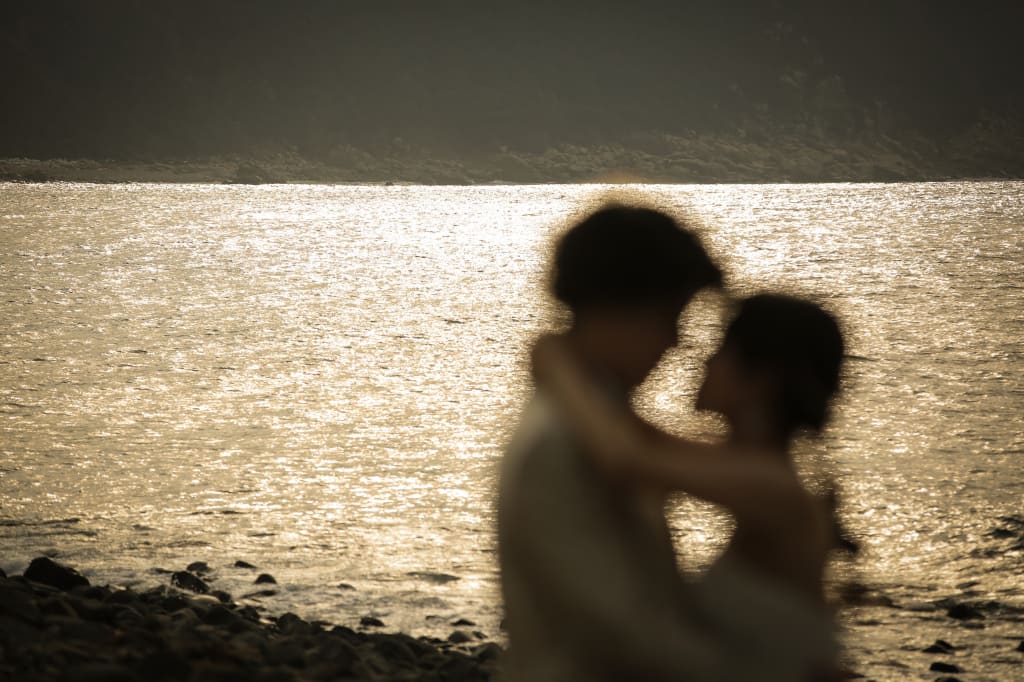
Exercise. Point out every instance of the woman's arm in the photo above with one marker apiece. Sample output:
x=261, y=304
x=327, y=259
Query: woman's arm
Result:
x=750, y=485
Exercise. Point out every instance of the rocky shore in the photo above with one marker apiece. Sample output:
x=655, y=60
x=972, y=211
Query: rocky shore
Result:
x=56, y=626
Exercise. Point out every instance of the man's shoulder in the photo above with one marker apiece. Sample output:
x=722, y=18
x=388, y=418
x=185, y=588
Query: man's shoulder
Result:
x=540, y=436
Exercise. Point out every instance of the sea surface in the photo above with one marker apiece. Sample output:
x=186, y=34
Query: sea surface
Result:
x=319, y=380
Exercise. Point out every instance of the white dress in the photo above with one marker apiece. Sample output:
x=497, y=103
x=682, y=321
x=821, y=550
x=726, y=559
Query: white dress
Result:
x=792, y=638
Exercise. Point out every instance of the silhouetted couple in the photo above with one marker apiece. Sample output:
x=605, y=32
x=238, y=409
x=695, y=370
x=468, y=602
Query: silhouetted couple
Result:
x=591, y=586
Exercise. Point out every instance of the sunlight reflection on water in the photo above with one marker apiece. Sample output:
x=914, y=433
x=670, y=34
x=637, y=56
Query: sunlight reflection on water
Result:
x=319, y=379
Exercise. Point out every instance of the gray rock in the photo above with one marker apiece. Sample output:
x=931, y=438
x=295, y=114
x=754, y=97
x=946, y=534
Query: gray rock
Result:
x=48, y=572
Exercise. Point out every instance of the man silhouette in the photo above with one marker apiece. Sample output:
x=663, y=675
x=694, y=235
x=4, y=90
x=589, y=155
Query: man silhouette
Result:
x=588, y=571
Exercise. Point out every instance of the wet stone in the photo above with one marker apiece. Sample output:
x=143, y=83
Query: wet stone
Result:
x=199, y=567
x=1020, y=647
x=940, y=646
x=394, y=649
x=243, y=564
x=290, y=624
x=941, y=667
x=965, y=612
x=460, y=637
x=371, y=622
x=19, y=604
x=222, y=596
x=187, y=581
x=487, y=652
x=122, y=597
x=265, y=579
x=91, y=592
x=48, y=572
x=287, y=651
x=173, y=602
x=338, y=653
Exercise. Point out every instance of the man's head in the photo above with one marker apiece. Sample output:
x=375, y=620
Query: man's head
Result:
x=626, y=274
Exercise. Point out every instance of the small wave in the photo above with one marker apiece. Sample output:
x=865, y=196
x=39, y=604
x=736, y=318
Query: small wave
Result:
x=47, y=522
x=437, y=578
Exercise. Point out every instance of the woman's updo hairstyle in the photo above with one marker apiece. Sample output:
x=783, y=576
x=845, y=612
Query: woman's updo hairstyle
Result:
x=797, y=342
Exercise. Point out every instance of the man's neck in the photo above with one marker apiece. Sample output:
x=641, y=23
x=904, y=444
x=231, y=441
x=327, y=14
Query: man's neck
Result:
x=597, y=360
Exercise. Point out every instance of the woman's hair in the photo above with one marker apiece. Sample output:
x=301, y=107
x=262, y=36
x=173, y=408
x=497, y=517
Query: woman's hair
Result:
x=800, y=344
x=625, y=254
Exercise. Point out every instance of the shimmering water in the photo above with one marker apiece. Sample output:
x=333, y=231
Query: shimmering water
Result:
x=319, y=379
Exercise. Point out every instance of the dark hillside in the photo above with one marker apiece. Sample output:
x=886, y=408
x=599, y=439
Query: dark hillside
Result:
x=523, y=91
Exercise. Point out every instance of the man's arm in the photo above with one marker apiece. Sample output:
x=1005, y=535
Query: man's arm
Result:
x=603, y=602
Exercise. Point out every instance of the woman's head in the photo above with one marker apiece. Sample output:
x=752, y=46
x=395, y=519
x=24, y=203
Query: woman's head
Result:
x=781, y=356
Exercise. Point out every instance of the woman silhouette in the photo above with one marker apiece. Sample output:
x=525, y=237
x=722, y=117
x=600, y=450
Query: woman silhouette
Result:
x=775, y=374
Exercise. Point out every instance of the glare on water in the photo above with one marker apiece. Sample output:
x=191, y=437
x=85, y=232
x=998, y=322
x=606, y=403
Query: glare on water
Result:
x=319, y=379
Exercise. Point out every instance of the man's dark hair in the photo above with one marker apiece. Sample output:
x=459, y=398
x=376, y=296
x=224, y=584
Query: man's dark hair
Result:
x=623, y=254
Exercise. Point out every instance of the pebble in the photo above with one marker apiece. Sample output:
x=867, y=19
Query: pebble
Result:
x=371, y=622
x=243, y=564
x=265, y=578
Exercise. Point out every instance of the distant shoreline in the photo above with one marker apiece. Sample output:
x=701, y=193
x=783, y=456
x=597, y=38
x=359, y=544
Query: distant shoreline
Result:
x=700, y=159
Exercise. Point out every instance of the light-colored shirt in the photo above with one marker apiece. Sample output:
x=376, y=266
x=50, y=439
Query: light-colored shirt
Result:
x=590, y=583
